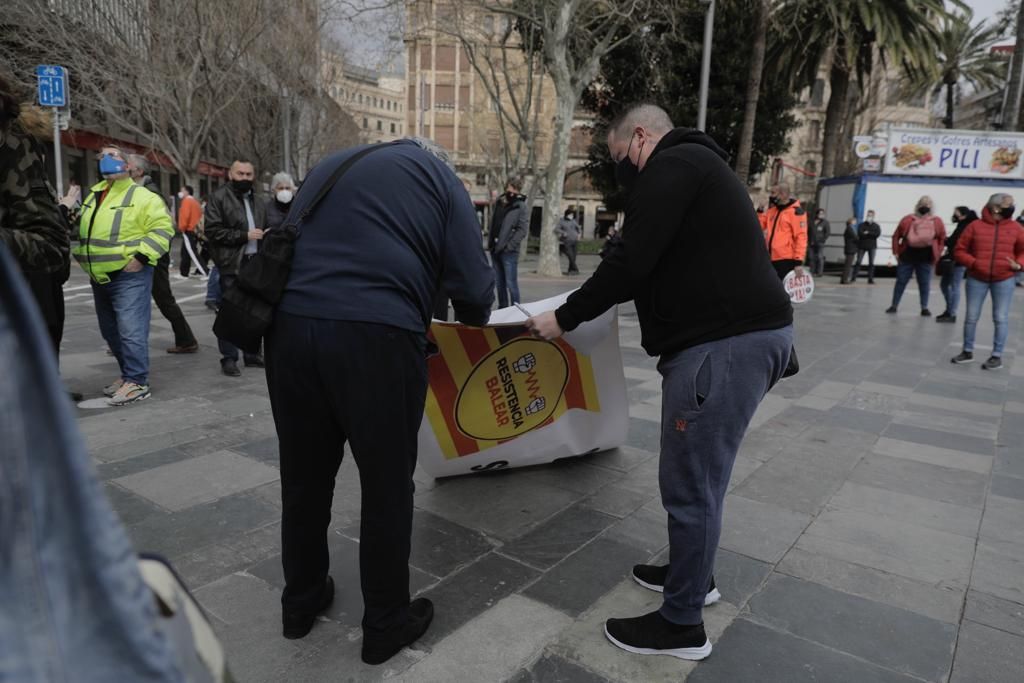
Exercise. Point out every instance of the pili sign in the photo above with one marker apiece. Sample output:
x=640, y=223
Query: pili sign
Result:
x=957, y=153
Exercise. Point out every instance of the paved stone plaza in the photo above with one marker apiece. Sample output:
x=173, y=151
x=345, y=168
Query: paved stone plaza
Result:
x=874, y=530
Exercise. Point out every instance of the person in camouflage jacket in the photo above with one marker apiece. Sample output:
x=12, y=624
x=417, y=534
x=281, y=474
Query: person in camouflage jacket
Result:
x=31, y=225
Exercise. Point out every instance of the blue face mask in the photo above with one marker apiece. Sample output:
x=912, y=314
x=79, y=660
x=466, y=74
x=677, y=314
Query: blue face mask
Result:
x=111, y=166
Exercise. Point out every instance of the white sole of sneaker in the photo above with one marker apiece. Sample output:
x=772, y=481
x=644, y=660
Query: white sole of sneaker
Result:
x=648, y=586
x=128, y=403
x=963, y=362
x=694, y=654
x=709, y=599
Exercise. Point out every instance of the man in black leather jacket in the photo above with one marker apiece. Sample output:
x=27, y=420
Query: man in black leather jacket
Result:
x=235, y=218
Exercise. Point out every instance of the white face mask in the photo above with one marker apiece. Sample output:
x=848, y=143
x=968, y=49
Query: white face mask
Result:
x=284, y=196
x=181, y=194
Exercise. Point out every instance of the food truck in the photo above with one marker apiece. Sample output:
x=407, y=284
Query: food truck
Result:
x=953, y=167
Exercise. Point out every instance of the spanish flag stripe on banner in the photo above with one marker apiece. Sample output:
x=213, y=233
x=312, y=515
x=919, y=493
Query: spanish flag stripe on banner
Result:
x=574, y=397
x=437, y=421
x=475, y=343
x=444, y=386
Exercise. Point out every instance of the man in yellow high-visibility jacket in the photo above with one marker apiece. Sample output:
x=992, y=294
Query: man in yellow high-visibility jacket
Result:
x=124, y=229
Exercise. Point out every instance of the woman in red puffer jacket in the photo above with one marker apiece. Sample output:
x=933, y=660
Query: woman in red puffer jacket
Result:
x=992, y=250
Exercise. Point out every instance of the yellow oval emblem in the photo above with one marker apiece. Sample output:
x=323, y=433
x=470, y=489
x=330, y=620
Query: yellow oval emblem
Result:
x=512, y=390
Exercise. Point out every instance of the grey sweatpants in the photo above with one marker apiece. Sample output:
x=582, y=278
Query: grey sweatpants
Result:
x=709, y=395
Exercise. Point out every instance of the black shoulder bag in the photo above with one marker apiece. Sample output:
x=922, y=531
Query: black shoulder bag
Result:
x=247, y=307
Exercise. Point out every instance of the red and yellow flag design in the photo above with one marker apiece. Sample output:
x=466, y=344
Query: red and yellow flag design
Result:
x=489, y=385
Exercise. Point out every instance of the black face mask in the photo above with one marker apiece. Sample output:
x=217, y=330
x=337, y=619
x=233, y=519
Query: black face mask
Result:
x=510, y=196
x=923, y=210
x=774, y=201
x=626, y=171
x=241, y=186
x=1007, y=212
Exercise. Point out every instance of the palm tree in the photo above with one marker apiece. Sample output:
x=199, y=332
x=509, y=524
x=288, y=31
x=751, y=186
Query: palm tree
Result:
x=851, y=33
x=1011, y=104
x=746, y=145
x=963, y=54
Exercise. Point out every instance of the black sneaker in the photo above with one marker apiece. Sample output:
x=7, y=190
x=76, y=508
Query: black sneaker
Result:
x=230, y=367
x=297, y=625
x=993, y=363
x=379, y=647
x=925, y=313
x=653, y=634
x=871, y=282
x=945, y=318
x=653, y=576
x=964, y=357
x=891, y=309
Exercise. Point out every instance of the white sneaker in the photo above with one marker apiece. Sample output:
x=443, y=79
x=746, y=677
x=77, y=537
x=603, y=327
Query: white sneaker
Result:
x=130, y=392
x=112, y=388
x=179, y=276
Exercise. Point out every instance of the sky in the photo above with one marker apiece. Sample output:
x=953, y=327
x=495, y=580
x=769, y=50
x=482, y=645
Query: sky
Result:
x=985, y=9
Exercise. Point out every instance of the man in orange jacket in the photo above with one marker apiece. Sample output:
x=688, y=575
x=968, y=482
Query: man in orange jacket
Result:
x=784, y=224
x=189, y=215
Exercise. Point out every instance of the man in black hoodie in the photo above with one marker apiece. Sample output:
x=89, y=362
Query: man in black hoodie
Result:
x=723, y=336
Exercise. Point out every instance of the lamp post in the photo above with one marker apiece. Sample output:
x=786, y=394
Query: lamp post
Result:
x=705, y=64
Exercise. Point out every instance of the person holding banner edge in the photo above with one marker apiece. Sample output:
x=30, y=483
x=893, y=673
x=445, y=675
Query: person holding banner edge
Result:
x=723, y=339
x=346, y=362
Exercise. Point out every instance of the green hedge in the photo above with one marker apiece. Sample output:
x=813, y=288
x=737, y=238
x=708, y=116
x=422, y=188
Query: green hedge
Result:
x=583, y=246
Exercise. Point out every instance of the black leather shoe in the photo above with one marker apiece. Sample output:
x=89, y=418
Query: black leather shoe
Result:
x=254, y=362
x=380, y=647
x=297, y=625
x=230, y=368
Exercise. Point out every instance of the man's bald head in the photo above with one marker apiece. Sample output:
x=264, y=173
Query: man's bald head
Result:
x=635, y=133
x=649, y=117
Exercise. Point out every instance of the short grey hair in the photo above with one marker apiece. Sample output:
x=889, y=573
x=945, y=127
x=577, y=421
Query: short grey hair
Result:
x=282, y=177
x=139, y=162
x=435, y=149
x=1000, y=200
x=650, y=117
x=925, y=201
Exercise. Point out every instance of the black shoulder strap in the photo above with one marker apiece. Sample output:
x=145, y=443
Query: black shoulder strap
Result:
x=335, y=177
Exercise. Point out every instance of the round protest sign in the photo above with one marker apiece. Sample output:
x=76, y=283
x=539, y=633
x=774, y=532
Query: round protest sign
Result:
x=800, y=289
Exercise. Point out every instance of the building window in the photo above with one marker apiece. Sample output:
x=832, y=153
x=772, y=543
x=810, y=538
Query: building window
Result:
x=446, y=58
x=811, y=166
x=366, y=124
x=360, y=98
x=814, y=132
x=392, y=128
x=380, y=125
x=818, y=93
x=445, y=97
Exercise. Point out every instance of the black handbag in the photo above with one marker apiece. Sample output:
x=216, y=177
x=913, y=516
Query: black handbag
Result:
x=247, y=307
x=944, y=266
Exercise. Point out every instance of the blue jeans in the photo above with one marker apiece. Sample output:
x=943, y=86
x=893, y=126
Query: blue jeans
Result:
x=506, y=275
x=213, y=286
x=904, y=271
x=122, y=307
x=74, y=606
x=950, y=285
x=1002, y=297
x=710, y=393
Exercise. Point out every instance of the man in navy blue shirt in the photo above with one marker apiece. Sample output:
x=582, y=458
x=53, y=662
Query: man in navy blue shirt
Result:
x=346, y=361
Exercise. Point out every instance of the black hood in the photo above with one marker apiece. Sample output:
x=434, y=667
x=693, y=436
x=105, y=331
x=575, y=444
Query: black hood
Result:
x=690, y=136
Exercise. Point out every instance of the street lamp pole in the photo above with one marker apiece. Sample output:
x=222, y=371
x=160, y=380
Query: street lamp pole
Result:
x=705, y=64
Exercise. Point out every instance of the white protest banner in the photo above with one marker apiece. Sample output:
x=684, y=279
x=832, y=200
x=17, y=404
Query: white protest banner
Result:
x=499, y=397
x=800, y=289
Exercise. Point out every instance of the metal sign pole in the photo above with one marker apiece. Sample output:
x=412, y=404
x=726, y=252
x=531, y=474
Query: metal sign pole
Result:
x=57, y=163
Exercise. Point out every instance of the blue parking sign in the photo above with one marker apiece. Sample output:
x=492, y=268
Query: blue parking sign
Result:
x=53, y=85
